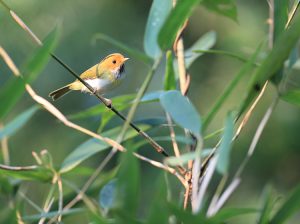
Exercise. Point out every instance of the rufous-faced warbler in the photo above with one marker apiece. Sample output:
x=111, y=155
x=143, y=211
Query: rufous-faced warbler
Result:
x=102, y=77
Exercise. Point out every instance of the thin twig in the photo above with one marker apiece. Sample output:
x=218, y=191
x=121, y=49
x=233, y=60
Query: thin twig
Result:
x=34, y=205
x=292, y=14
x=249, y=112
x=18, y=168
x=47, y=205
x=46, y=210
x=60, y=197
x=173, y=135
x=257, y=135
x=164, y=167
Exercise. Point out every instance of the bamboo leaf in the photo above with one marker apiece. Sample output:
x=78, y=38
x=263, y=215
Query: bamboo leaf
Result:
x=292, y=96
x=181, y=111
x=289, y=207
x=14, y=89
x=223, y=7
x=205, y=42
x=174, y=22
x=17, y=123
x=182, y=159
x=157, y=16
x=107, y=195
x=170, y=81
x=225, y=146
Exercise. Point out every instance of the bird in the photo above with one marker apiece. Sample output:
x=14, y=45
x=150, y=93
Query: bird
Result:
x=103, y=77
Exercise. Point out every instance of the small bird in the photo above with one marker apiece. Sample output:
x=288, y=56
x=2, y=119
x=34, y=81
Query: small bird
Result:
x=102, y=77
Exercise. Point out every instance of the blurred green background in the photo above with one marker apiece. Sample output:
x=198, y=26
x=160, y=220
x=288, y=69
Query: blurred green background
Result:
x=276, y=159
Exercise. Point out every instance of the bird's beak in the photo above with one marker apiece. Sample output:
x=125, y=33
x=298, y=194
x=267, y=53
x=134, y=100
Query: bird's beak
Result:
x=125, y=59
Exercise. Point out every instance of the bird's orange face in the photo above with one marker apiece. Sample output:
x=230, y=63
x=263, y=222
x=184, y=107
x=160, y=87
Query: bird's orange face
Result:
x=113, y=62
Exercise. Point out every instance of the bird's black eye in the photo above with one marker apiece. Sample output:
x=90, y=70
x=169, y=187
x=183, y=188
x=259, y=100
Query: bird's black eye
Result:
x=114, y=61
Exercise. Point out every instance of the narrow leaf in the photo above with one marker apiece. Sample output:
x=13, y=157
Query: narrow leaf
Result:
x=223, y=7
x=107, y=195
x=229, y=89
x=289, y=207
x=157, y=16
x=14, y=89
x=292, y=96
x=181, y=111
x=228, y=213
x=225, y=146
x=265, y=211
x=181, y=160
x=170, y=81
x=16, y=124
x=128, y=182
x=53, y=214
x=205, y=42
x=174, y=22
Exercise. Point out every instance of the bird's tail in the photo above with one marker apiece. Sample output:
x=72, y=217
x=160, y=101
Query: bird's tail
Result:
x=60, y=92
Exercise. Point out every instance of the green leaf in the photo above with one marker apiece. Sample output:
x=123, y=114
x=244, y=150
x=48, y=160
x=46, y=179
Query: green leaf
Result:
x=225, y=146
x=181, y=111
x=157, y=16
x=228, y=213
x=274, y=61
x=229, y=89
x=237, y=56
x=14, y=89
x=16, y=124
x=107, y=195
x=205, y=42
x=289, y=208
x=174, y=22
x=292, y=96
x=134, y=53
x=158, y=212
x=28, y=173
x=183, y=216
x=281, y=8
x=151, y=96
x=182, y=159
x=170, y=81
x=53, y=214
x=128, y=181
x=223, y=7
x=93, y=146
x=265, y=212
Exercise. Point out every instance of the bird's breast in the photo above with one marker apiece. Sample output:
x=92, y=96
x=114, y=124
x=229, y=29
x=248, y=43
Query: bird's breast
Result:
x=100, y=85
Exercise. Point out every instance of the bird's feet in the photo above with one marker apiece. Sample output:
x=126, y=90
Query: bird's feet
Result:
x=108, y=102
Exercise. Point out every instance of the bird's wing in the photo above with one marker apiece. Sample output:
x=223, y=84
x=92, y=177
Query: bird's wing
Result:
x=90, y=73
